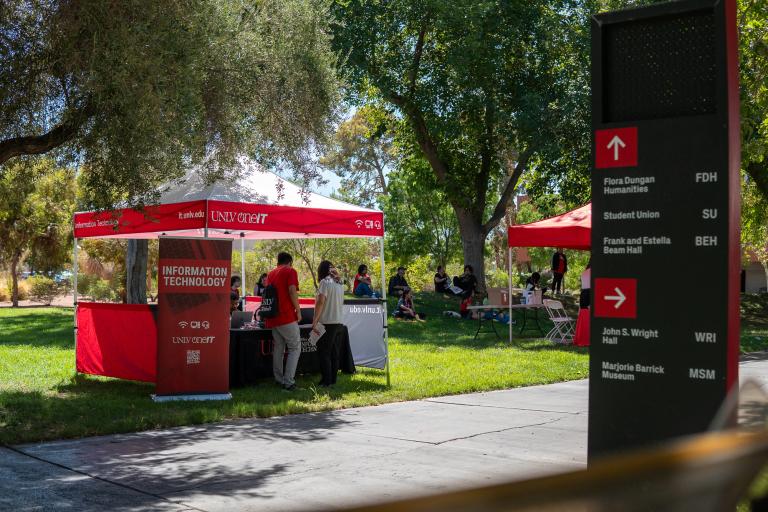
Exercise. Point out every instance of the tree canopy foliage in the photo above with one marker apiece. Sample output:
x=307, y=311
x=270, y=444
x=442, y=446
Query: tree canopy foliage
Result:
x=488, y=89
x=361, y=154
x=37, y=201
x=420, y=221
x=753, y=52
x=138, y=91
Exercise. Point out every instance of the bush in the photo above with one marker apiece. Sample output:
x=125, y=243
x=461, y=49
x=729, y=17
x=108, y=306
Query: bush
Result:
x=4, y=295
x=42, y=289
x=420, y=274
x=23, y=289
x=498, y=278
x=84, y=283
x=100, y=290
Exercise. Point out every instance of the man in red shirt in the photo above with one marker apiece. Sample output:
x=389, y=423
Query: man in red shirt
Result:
x=285, y=326
x=559, y=268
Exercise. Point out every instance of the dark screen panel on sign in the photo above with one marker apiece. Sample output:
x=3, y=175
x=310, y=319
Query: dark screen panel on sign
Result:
x=660, y=67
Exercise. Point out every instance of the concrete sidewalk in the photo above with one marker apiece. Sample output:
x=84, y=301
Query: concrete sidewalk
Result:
x=314, y=461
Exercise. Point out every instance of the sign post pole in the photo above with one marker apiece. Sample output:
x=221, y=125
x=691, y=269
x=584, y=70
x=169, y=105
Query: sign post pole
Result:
x=665, y=213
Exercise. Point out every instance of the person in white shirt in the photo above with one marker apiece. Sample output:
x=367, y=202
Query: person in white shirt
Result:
x=586, y=276
x=329, y=311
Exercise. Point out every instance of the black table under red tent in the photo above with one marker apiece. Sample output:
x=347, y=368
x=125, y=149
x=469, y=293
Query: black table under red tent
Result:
x=250, y=356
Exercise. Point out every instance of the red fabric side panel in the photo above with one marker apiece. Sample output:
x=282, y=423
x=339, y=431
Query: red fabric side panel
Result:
x=293, y=219
x=155, y=219
x=117, y=340
x=566, y=237
x=581, y=338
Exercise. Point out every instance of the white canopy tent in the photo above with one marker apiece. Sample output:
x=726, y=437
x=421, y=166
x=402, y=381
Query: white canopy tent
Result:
x=258, y=205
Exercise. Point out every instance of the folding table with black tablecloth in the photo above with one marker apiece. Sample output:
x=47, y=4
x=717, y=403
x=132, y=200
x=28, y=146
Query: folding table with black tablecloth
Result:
x=250, y=355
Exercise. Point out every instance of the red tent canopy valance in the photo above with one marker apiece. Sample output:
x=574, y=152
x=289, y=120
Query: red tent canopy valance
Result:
x=571, y=230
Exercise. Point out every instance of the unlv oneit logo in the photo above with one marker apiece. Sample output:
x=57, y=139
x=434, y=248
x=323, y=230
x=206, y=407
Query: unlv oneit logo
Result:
x=239, y=217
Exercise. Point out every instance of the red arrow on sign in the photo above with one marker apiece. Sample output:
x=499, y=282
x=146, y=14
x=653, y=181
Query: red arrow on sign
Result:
x=616, y=147
x=615, y=297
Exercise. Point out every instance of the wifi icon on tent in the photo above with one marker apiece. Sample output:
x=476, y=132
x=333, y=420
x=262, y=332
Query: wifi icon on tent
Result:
x=359, y=223
x=183, y=324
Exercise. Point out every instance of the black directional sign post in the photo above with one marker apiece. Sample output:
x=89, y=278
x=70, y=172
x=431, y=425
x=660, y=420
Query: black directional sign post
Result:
x=665, y=221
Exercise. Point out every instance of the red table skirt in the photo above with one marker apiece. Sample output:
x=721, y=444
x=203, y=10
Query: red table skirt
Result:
x=581, y=339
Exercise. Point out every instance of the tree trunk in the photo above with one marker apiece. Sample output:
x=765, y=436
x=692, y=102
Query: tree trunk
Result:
x=15, y=280
x=136, y=256
x=473, y=245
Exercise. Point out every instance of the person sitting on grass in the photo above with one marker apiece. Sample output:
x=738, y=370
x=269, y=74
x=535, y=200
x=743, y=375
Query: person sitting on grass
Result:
x=464, y=308
x=397, y=283
x=441, y=280
x=362, y=285
x=405, y=308
x=466, y=282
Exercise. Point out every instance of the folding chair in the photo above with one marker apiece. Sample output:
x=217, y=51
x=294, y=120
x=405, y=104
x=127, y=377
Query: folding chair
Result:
x=564, y=327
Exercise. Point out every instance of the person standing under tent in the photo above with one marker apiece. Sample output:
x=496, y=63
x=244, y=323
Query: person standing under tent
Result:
x=258, y=290
x=285, y=326
x=234, y=284
x=329, y=313
x=586, y=277
x=559, y=268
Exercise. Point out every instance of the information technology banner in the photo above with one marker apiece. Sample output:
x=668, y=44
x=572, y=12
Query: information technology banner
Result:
x=193, y=316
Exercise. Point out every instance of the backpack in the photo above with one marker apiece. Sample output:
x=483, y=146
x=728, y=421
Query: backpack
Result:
x=269, y=305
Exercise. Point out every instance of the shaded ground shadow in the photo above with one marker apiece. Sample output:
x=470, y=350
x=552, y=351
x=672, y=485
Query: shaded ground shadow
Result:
x=180, y=459
x=55, y=330
x=86, y=405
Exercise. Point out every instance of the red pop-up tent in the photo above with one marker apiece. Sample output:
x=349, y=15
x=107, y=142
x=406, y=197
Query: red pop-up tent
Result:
x=570, y=230
x=259, y=205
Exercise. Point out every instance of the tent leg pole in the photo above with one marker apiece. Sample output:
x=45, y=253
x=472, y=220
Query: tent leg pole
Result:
x=242, y=263
x=384, y=306
x=74, y=295
x=509, y=292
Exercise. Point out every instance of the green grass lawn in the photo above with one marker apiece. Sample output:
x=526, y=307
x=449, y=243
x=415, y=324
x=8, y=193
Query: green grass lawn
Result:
x=41, y=398
x=754, y=323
